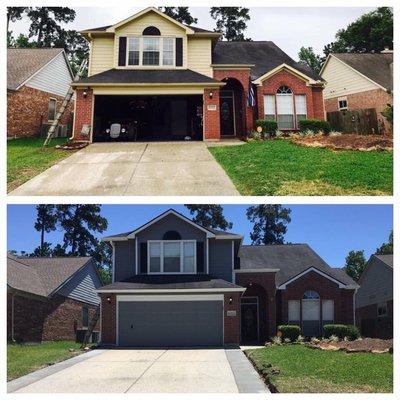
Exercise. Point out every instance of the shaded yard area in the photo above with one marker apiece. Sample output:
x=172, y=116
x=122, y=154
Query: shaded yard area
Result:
x=279, y=167
x=26, y=158
x=25, y=358
x=299, y=369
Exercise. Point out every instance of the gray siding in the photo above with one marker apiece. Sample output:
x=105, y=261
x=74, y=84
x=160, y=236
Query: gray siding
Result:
x=82, y=286
x=376, y=284
x=124, y=260
x=220, y=253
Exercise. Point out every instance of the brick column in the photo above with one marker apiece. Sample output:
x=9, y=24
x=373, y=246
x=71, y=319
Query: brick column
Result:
x=232, y=322
x=83, y=113
x=108, y=319
x=211, y=121
x=318, y=103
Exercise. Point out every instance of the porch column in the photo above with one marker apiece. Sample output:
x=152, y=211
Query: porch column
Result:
x=83, y=113
x=211, y=121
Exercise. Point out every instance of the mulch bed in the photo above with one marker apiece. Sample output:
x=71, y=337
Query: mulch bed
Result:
x=347, y=142
x=72, y=146
x=367, y=345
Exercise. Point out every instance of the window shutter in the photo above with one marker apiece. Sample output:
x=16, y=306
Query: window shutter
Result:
x=122, y=51
x=143, y=258
x=178, y=52
x=200, y=257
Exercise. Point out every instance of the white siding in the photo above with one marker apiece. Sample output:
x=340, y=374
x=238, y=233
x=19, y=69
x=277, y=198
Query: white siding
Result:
x=101, y=55
x=199, y=56
x=54, y=78
x=343, y=80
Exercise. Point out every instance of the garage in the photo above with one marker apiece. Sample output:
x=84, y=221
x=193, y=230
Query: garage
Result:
x=174, y=321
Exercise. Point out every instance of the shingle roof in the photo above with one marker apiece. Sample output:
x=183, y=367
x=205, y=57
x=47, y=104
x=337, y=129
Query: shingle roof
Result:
x=375, y=66
x=385, y=258
x=290, y=259
x=218, y=232
x=41, y=276
x=171, y=282
x=128, y=76
x=104, y=28
x=23, y=63
x=265, y=55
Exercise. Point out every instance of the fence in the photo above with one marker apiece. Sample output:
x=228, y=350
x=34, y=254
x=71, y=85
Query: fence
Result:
x=363, y=122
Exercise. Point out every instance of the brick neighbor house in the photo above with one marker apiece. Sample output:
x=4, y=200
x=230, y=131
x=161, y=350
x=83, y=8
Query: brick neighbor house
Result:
x=50, y=298
x=37, y=81
x=153, y=78
x=176, y=283
x=374, y=298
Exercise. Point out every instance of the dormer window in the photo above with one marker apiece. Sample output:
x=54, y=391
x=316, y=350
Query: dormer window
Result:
x=151, y=31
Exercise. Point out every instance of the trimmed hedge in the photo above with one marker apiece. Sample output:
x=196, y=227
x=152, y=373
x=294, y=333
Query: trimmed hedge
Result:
x=291, y=332
x=341, y=331
x=267, y=126
x=315, y=125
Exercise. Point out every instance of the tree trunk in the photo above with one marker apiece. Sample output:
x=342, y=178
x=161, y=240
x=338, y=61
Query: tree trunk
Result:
x=42, y=239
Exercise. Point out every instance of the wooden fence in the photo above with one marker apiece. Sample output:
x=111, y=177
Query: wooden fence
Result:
x=363, y=122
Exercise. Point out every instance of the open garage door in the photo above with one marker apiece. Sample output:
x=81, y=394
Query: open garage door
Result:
x=145, y=118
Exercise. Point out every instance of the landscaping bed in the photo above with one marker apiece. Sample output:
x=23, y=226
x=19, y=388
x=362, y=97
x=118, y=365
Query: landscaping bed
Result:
x=366, y=345
x=346, y=142
x=72, y=146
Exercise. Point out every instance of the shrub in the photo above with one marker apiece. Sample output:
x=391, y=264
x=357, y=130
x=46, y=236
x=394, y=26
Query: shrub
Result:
x=314, y=125
x=276, y=340
x=341, y=331
x=255, y=135
x=267, y=126
x=290, y=332
x=352, y=332
x=388, y=113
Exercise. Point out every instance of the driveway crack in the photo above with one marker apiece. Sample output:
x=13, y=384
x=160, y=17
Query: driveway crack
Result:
x=136, y=167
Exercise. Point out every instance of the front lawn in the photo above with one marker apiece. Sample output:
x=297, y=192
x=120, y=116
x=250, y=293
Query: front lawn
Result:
x=27, y=158
x=25, y=358
x=279, y=167
x=299, y=369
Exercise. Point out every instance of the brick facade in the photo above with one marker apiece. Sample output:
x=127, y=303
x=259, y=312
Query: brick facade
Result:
x=232, y=323
x=27, y=109
x=36, y=319
x=83, y=113
x=211, y=116
x=371, y=325
x=108, y=319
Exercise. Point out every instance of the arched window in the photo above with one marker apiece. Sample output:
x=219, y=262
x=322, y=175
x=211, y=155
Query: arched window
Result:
x=172, y=235
x=284, y=90
x=310, y=295
x=285, y=108
x=151, y=31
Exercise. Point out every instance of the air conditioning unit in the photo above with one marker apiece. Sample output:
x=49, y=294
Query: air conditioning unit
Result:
x=61, y=130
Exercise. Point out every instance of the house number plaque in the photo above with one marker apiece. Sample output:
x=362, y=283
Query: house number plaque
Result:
x=212, y=107
x=231, y=313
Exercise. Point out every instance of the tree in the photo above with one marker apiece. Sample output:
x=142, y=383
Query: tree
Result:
x=180, y=14
x=355, y=264
x=46, y=220
x=231, y=22
x=102, y=255
x=372, y=32
x=21, y=42
x=386, y=248
x=314, y=61
x=209, y=216
x=15, y=14
x=43, y=250
x=269, y=223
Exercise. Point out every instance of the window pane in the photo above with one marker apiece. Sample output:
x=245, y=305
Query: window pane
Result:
x=85, y=316
x=301, y=104
x=151, y=53
x=310, y=310
x=172, y=257
x=133, y=51
x=168, y=51
x=52, y=109
x=269, y=106
x=155, y=257
x=294, y=310
x=285, y=111
x=188, y=257
x=327, y=310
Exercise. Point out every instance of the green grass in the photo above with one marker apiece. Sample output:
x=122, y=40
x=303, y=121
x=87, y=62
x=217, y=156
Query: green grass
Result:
x=25, y=358
x=299, y=369
x=279, y=167
x=27, y=158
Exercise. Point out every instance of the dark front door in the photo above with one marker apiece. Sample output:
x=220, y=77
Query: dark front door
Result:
x=227, y=113
x=249, y=323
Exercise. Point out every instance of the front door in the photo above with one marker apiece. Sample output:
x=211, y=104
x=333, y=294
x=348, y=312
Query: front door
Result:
x=249, y=320
x=227, y=113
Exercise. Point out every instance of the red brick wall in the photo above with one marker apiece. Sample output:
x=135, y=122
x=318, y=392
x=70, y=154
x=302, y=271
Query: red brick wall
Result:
x=232, y=324
x=108, y=319
x=211, y=117
x=27, y=108
x=315, y=104
x=35, y=319
x=83, y=113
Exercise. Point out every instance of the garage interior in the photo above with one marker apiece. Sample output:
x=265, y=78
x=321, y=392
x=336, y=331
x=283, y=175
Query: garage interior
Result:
x=148, y=118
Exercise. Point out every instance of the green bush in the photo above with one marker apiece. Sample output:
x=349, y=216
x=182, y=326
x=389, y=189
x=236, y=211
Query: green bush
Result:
x=314, y=125
x=268, y=127
x=388, y=113
x=290, y=332
x=341, y=331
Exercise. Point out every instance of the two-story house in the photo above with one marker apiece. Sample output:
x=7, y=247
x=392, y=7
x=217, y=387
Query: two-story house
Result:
x=153, y=78
x=176, y=283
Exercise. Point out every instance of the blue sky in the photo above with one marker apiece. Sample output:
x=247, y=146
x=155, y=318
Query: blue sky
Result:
x=331, y=230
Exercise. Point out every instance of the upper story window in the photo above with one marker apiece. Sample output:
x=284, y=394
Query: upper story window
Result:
x=172, y=235
x=310, y=295
x=171, y=257
x=151, y=31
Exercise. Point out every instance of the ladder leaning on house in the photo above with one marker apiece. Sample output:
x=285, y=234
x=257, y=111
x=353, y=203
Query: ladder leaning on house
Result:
x=64, y=104
x=90, y=328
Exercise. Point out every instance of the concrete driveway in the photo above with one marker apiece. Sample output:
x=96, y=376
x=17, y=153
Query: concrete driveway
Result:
x=146, y=371
x=150, y=169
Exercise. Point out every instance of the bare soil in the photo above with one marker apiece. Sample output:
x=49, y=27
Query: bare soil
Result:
x=366, y=345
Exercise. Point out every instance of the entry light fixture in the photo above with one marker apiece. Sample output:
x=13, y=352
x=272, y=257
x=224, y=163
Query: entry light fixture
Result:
x=108, y=300
x=210, y=95
x=84, y=94
x=230, y=300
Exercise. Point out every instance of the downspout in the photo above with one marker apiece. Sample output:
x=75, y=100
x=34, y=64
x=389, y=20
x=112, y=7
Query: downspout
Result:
x=12, y=318
x=354, y=306
x=113, y=261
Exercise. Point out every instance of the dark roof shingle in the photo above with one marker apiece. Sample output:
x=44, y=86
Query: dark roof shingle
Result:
x=385, y=258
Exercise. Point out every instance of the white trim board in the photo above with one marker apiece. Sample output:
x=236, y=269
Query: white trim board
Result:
x=255, y=270
x=211, y=290
x=183, y=297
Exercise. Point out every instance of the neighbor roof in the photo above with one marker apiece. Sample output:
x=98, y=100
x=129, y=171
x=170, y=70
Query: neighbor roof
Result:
x=264, y=55
x=385, y=258
x=129, y=76
x=43, y=275
x=375, y=66
x=289, y=259
x=23, y=63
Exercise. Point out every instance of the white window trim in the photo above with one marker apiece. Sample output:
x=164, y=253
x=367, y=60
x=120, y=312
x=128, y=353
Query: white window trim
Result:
x=162, y=242
x=347, y=103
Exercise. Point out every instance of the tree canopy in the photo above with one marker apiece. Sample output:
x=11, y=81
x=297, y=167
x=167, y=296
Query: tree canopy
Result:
x=355, y=264
x=209, y=216
x=180, y=14
x=386, y=248
x=308, y=57
x=231, y=22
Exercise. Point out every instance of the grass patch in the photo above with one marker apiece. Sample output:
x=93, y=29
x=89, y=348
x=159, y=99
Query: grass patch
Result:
x=299, y=369
x=27, y=158
x=279, y=167
x=25, y=358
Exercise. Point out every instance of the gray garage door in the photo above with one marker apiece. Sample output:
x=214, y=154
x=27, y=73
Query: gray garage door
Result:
x=170, y=323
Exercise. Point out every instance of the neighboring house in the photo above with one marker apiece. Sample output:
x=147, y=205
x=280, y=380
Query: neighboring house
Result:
x=50, y=298
x=374, y=299
x=176, y=283
x=37, y=81
x=359, y=82
x=161, y=79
